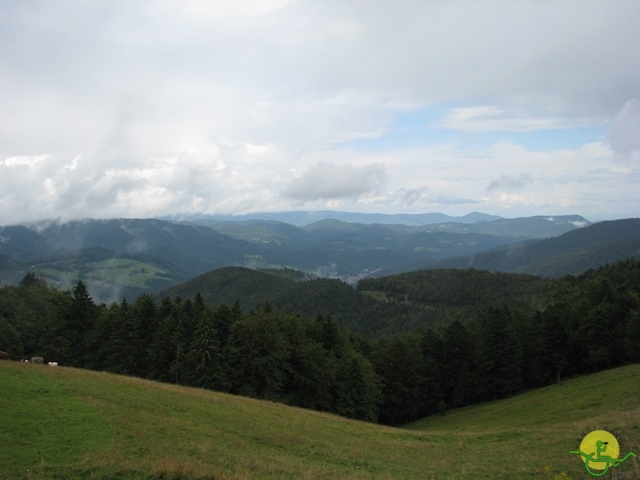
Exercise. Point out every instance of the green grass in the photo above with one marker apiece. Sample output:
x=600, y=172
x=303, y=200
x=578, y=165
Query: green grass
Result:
x=113, y=272
x=124, y=271
x=68, y=423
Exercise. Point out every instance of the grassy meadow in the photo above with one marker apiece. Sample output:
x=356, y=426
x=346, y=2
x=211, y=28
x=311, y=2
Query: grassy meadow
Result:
x=114, y=272
x=64, y=423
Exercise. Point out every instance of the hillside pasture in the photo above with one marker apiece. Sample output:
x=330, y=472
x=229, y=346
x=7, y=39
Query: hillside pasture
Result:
x=69, y=423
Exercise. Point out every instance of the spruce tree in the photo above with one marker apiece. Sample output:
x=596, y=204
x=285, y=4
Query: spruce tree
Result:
x=205, y=357
x=80, y=319
x=502, y=355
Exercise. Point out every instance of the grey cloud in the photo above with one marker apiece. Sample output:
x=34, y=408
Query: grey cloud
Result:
x=427, y=49
x=510, y=182
x=414, y=196
x=453, y=200
x=95, y=193
x=424, y=198
x=328, y=181
x=624, y=133
x=129, y=85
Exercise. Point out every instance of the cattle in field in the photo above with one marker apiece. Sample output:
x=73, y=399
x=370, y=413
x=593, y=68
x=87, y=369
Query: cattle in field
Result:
x=53, y=364
x=4, y=356
x=38, y=360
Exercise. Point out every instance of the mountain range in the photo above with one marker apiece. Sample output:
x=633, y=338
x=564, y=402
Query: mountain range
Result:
x=305, y=217
x=126, y=257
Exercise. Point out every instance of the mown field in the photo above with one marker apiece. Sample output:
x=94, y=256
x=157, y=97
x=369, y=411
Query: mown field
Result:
x=117, y=271
x=65, y=423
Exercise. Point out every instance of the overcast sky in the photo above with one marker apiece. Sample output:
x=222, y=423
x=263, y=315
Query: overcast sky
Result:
x=151, y=107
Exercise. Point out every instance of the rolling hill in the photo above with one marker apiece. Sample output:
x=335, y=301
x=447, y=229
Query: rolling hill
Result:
x=68, y=423
x=400, y=303
x=571, y=253
x=119, y=257
x=378, y=306
x=331, y=246
x=125, y=257
x=226, y=285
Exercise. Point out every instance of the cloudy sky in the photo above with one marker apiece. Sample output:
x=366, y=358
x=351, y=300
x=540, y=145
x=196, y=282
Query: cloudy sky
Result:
x=143, y=108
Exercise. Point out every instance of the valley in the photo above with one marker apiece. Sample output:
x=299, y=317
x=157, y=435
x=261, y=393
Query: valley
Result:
x=448, y=360
x=154, y=254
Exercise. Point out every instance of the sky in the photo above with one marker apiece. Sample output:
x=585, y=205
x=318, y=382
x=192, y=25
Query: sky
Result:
x=155, y=107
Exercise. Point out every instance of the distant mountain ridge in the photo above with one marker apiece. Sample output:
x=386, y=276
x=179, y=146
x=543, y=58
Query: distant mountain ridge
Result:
x=539, y=226
x=571, y=253
x=126, y=257
x=117, y=256
x=302, y=218
x=189, y=243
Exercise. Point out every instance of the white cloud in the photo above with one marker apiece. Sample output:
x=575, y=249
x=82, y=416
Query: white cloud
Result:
x=148, y=107
x=494, y=118
x=23, y=160
x=259, y=150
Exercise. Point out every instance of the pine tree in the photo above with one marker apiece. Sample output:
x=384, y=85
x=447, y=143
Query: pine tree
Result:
x=205, y=356
x=458, y=366
x=311, y=372
x=162, y=352
x=223, y=318
x=557, y=356
x=358, y=393
x=632, y=337
x=126, y=352
x=186, y=323
x=502, y=355
x=257, y=355
x=145, y=315
x=10, y=340
x=399, y=364
x=80, y=320
x=432, y=371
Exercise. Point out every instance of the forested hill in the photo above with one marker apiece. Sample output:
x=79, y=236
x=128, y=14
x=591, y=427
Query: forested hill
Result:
x=498, y=334
x=570, y=253
x=396, y=304
x=226, y=285
x=299, y=295
x=127, y=257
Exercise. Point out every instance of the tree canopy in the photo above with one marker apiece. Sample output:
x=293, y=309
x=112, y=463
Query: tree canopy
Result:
x=571, y=326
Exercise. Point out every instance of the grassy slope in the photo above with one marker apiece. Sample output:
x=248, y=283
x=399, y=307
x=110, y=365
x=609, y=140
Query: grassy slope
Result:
x=114, y=271
x=67, y=423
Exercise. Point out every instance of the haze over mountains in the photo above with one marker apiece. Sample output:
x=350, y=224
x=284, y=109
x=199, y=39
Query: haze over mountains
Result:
x=125, y=257
x=305, y=217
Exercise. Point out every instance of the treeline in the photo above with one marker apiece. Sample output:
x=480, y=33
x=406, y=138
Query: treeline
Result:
x=317, y=363
x=389, y=306
x=263, y=354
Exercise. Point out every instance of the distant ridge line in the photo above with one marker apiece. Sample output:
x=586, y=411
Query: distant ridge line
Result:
x=307, y=217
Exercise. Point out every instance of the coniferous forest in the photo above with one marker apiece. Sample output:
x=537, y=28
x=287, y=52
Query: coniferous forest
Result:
x=490, y=347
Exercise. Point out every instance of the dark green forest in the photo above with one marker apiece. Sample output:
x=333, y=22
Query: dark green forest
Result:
x=496, y=335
